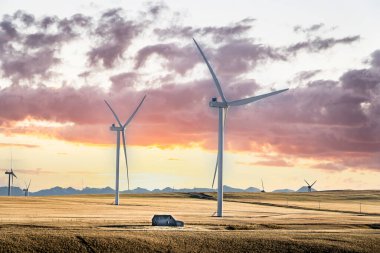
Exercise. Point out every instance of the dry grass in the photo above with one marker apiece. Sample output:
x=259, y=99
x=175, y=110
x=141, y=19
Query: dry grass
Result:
x=89, y=223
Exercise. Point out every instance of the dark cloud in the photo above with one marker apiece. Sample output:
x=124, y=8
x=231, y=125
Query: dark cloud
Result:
x=241, y=56
x=29, y=53
x=26, y=18
x=318, y=44
x=179, y=59
x=306, y=75
x=123, y=80
x=312, y=28
x=218, y=34
x=115, y=34
x=27, y=66
x=375, y=59
x=46, y=22
x=8, y=28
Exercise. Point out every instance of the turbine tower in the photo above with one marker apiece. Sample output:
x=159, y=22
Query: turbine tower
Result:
x=26, y=190
x=262, y=185
x=309, y=186
x=223, y=107
x=120, y=129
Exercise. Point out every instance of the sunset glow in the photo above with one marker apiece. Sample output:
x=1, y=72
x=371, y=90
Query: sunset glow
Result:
x=57, y=67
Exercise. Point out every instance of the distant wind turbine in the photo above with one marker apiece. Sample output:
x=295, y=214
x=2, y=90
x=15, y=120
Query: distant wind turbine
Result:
x=26, y=189
x=309, y=186
x=262, y=185
x=121, y=129
x=223, y=107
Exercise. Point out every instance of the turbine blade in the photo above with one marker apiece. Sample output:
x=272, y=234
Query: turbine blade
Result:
x=114, y=114
x=29, y=184
x=134, y=113
x=306, y=182
x=262, y=184
x=13, y=174
x=245, y=101
x=216, y=168
x=313, y=183
x=216, y=81
x=125, y=155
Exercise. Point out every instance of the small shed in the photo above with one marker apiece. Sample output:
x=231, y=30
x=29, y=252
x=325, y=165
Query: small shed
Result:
x=166, y=220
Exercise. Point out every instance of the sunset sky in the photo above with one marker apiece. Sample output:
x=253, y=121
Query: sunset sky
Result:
x=60, y=59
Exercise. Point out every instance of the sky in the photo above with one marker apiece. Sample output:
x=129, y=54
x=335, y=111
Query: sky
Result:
x=60, y=60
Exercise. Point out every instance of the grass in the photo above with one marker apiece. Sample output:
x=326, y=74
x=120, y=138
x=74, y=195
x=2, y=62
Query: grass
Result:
x=89, y=223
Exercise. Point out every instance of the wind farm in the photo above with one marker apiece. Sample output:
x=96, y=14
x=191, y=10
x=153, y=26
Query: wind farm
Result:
x=165, y=126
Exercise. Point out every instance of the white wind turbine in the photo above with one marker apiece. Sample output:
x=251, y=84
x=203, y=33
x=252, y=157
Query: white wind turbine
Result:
x=223, y=107
x=11, y=175
x=120, y=129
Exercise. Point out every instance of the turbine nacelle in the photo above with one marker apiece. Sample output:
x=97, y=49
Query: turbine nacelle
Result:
x=116, y=128
x=215, y=103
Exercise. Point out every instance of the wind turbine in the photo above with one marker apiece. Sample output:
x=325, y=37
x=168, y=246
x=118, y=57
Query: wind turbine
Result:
x=262, y=185
x=10, y=174
x=120, y=129
x=223, y=107
x=26, y=190
x=309, y=186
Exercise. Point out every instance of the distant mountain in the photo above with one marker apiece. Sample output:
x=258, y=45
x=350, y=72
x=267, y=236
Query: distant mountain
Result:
x=284, y=190
x=57, y=191
x=106, y=190
x=252, y=189
x=304, y=189
x=16, y=191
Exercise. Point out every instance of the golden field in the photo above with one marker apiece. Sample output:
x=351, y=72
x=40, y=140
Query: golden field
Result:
x=252, y=222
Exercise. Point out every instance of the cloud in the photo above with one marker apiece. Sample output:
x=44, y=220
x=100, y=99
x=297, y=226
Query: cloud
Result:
x=28, y=66
x=323, y=119
x=179, y=59
x=306, y=75
x=375, y=59
x=37, y=171
x=318, y=44
x=307, y=30
x=115, y=34
x=22, y=145
x=269, y=162
x=29, y=50
x=217, y=33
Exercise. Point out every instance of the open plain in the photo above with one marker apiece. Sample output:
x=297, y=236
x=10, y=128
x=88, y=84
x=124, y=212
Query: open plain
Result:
x=332, y=221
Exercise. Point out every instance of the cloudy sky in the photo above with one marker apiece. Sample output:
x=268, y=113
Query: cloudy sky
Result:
x=60, y=60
